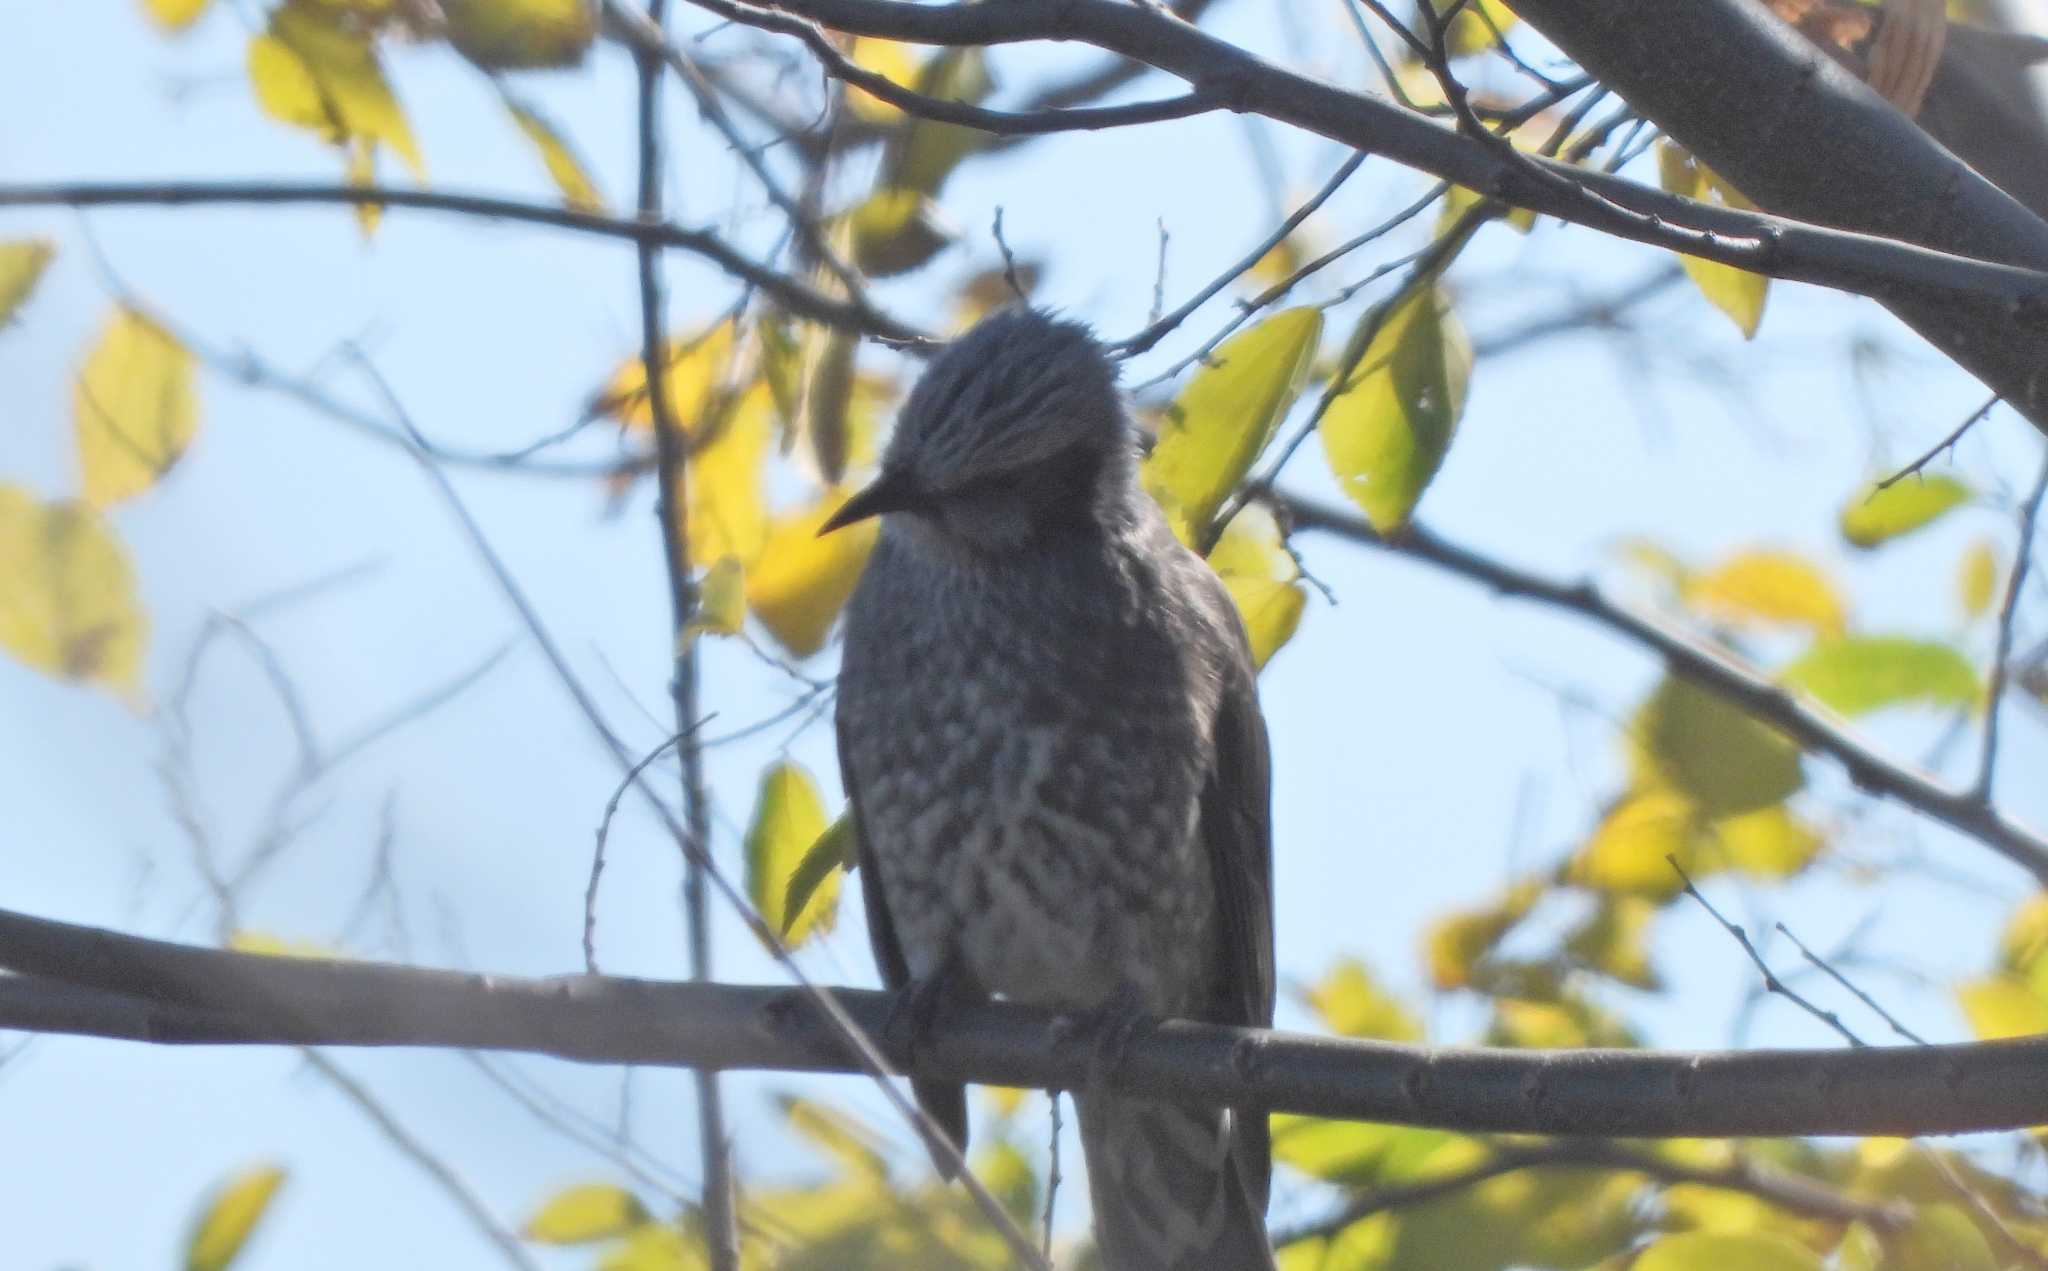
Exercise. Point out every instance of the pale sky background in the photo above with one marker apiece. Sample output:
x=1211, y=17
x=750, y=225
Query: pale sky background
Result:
x=1410, y=722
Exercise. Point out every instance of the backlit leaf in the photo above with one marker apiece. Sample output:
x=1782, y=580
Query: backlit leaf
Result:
x=360, y=167
x=313, y=69
x=728, y=511
x=67, y=593
x=1977, y=578
x=1252, y=559
x=825, y=860
x=1736, y=292
x=694, y=371
x=1629, y=851
x=1614, y=940
x=1352, y=1152
x=1874, y=516
x=1939, y=1237
x=174, y=15
x=502, y=35
x=721, y=600
x=1769, y=843
x=852, y=1144
x=1722, y=1251
x=1353, y=1003
x=789, y=818
x=275, y=946
x=1453, y=945
x=578, y=191
x=21, y=267
x=1216, y=428
x=828, y=401
x=1526, y=1218
x=1390, y=425
x=230, y=1217
x=893, y=61
x=1695, y=742
x=133, y=408
x=924, y=153
x=800, y=582
x=583, y=1213
x=655, y=1247
x=2002, y=1005
x=895, y=231
x=1772, y=587
x=1474, y=29
x=1856, y=674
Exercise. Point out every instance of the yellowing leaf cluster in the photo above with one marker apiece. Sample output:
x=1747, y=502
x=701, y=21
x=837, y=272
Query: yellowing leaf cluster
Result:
x=1252, y=558
x=585, y=1212
x=578, y=191
x=315, y=67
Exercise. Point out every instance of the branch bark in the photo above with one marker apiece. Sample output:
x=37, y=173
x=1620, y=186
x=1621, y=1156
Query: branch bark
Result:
x=92, y=982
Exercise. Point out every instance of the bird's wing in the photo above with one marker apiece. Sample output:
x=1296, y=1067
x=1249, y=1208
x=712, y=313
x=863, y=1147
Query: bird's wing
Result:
x=944, y=1102
x=1237, y=831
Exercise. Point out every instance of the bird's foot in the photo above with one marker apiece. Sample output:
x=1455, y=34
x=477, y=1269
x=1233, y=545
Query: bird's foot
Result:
x=1107, y=1031
x=922, y=1003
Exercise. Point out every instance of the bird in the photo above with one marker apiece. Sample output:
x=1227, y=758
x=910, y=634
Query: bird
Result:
x=1057, y=769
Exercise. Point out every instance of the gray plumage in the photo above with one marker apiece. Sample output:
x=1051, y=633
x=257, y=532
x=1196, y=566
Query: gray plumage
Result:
x=1050, y=734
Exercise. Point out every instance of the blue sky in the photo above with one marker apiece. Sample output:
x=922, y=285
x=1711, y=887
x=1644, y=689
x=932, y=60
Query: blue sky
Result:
x=1430, y=741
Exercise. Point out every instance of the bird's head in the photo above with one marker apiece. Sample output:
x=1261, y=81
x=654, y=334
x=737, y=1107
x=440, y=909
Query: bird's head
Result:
x=1015, y=429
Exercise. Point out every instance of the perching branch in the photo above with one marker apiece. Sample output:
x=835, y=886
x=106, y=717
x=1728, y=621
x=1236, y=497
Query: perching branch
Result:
x=91, y=982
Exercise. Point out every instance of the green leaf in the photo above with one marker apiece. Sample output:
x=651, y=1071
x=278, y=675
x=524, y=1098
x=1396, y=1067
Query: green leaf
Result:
x=1940, y=1237
x=1352, y=1152
x=570, y=177
x=584, y=1213
x=1736, y=292
x=925, y=152
x=788, y=820
x=1876, y=515
x=1216, y=428
x=1697, y=743
x=1353, y=1003
x=1717, y=1251
x=1615, y=940
x=503, y=35
x=21, y=267
x=133, y=408
x=1390, y=425
x=895, y=231
x=1857, y=674
x=1252, y=559
x=230, y=1216
x=830, y=853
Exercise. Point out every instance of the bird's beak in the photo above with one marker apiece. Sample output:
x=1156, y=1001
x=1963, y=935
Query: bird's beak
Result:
x=889, y=492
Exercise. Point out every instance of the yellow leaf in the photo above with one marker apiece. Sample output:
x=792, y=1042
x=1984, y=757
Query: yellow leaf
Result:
x=1940, y=1237
x=1252, y=559
x=67, y=593
x=583, y=1213
x=1390, y=425
x=133, y=408
x=728, y=513
x=800, y=582
x=362, y=174
x=825, y=861
x=578, y=191
x=721, y=600
x=695, y=369
x=1353, y=1003
x=1976, y=577
x=503, y=35
x=1721, y=1251
x=1691, y=740
x=844, y=1138
x=1769, y=586
x=1736, y=292
x=314, y=69
x=21, y=266
x=1859, y=674
x=2003, y=1005
x=788, y=819
x=1629, y=851
x=2025, y=937
x=655, y=1247
x=230, y=1216
x=174, y=15
x=1873, y=516
x=895, y=231
x=1565, y=1024
x=1769, y=843
x=1216, y=428
x=891, y=60
x=1453, y=945
x=926, y=152
x=1475, y=27
x=274, y=946
x=1005, y=1101
x=1615, y=940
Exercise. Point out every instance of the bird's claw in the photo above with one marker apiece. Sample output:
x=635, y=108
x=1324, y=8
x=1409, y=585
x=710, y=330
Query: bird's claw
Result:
x=919, y=1006
x=1108, y=1030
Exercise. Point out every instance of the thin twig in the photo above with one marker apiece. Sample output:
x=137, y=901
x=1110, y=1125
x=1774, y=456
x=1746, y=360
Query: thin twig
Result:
x=2023, y=556
x=1772, y=984
x=1946, y=443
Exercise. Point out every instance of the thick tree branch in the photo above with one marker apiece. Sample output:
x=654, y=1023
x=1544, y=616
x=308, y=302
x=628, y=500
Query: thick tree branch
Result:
x=1964, y=811
x=1951, y=291
x=88, y=981
x=798, y=297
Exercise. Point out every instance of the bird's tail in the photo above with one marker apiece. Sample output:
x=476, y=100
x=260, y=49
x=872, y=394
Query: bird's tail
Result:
x=1170, y=1187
